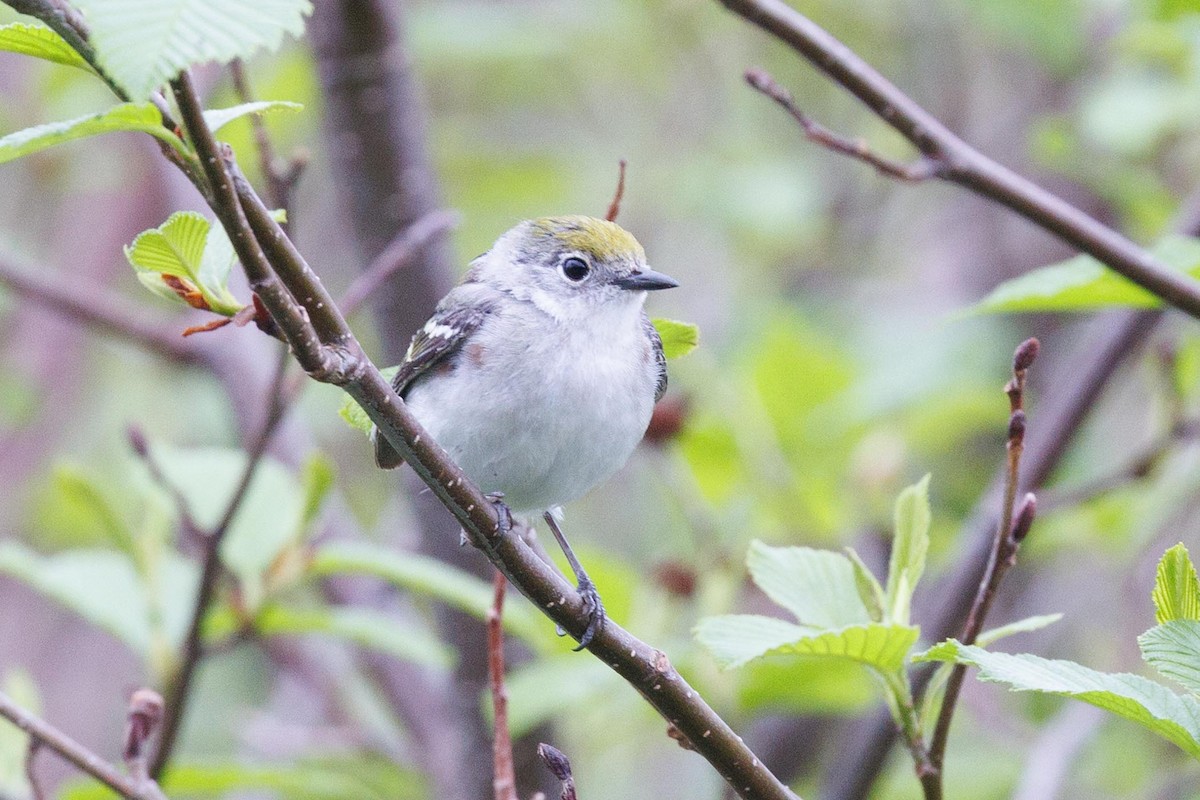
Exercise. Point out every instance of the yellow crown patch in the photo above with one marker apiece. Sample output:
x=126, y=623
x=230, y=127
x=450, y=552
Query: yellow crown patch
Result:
x=597, y=237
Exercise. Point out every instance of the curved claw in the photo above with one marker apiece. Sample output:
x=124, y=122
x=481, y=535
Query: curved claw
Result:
x=504, y=520
x=595, y=613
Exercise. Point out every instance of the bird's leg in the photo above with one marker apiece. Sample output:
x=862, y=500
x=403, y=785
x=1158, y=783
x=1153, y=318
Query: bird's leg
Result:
x=587, y=590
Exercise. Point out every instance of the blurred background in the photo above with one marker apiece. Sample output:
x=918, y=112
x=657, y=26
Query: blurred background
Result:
x=837, y=366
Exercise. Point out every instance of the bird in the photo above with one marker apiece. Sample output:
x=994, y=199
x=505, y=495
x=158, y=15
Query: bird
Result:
x=539, y=371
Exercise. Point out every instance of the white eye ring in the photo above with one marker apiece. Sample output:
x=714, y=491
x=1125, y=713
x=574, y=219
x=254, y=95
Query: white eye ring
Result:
x=575, y=269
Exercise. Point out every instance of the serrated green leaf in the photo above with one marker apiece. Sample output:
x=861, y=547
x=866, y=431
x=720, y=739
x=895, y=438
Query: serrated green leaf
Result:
x=217, y=118
x=362, y=777
x=1176, y=592
x=373, y=630
x=1026, y=625
x=1153, y=706
x=1083, y=283
x=141, y=44
x=869, y=590
x=40, y=42
x=352, y=413
x=427, y=576
x=1173, y=649
x=187, y=246
x=678, y=338
x=818, y=586
x=143, y=117
x=909, y=547
x=736, y=639
x=104, y=587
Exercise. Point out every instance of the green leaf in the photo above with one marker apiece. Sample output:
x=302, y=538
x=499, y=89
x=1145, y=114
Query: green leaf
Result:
x=335, y=778
x=1026, y=625
x=316, y=478
x=427, y=576
x=1173, y=649
x=678, y=338
x=40, y=42
x=104, y=587
x=352, y=413
x=1176, y=589
x=141, y=44
x=818, y=586
x=367, y=628
x=143, y=117
x=1083, y=283
x=869, y=590
x=1153, y=706
x=268, y=520
x=217, y=118
x=911, y=543
x=187, y=246
x=736, y=639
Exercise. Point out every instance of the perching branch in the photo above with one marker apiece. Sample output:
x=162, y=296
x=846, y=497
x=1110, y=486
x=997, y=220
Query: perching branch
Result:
x=325, y=347
x=51, y=738
x=956, y=161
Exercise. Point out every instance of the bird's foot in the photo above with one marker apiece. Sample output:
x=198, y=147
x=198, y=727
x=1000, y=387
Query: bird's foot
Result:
x=594, y=610
x=504, y=519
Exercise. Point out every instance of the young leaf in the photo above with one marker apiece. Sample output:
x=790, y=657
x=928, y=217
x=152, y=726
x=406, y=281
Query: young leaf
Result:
x=869, y=590
x=217, y=118
x=373, y=630
x=817, y=586
x=189, y=247
x=143, y=117
x=1151, y=705
x=736, y=639
x=1083, y=283
x=426, y=576
x=40, y=42
x=911, y=543
x=678, y=338
x=1176, y=589
x=1026, y=625
x=1173, y=649
x=141, y=44
x=352, y=413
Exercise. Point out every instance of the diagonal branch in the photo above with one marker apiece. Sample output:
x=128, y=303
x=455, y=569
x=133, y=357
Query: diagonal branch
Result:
x=958, y=162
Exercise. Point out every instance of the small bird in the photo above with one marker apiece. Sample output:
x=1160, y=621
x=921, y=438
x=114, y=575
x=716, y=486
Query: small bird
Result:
x=539, y=372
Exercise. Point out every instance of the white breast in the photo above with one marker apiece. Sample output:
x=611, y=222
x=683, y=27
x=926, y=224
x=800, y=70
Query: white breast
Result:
x=548, y=410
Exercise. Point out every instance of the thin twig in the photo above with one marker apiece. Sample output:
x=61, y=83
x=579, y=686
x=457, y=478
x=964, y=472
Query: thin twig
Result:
x=281, y=178
x=504, y=778
x=75, y=753
x=100, y=308
x=557, y=761
x=179, y=691
x=395, y=257
x=1011, y=531
x=31, y=776
x=960, y=163
x=920, y=170
x=614, y=208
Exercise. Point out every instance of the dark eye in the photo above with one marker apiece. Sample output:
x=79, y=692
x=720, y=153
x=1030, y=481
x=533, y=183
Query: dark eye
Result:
x=575, y=268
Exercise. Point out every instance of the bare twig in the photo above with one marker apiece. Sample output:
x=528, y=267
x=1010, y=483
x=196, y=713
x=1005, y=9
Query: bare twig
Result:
x=960, y=163
x=179, y=690
x=920, y=170
x=98, y=307
x=31, y=776
x=504, y=779
x=614, y=208
x=560, y=767
x=75, y=753
x=398, y=255
x=281, y=177
x=1011, y=531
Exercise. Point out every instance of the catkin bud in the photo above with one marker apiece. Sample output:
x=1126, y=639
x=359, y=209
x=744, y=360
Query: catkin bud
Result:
x=1024, y=518
x=1025, y=354
x=555, y=760
x=1016, y=427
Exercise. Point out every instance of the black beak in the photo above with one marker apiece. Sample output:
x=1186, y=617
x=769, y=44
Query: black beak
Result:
x=646, y=281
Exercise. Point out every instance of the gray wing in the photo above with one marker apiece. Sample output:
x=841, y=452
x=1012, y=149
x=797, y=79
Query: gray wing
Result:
x=660, y=358
x=436, y=345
